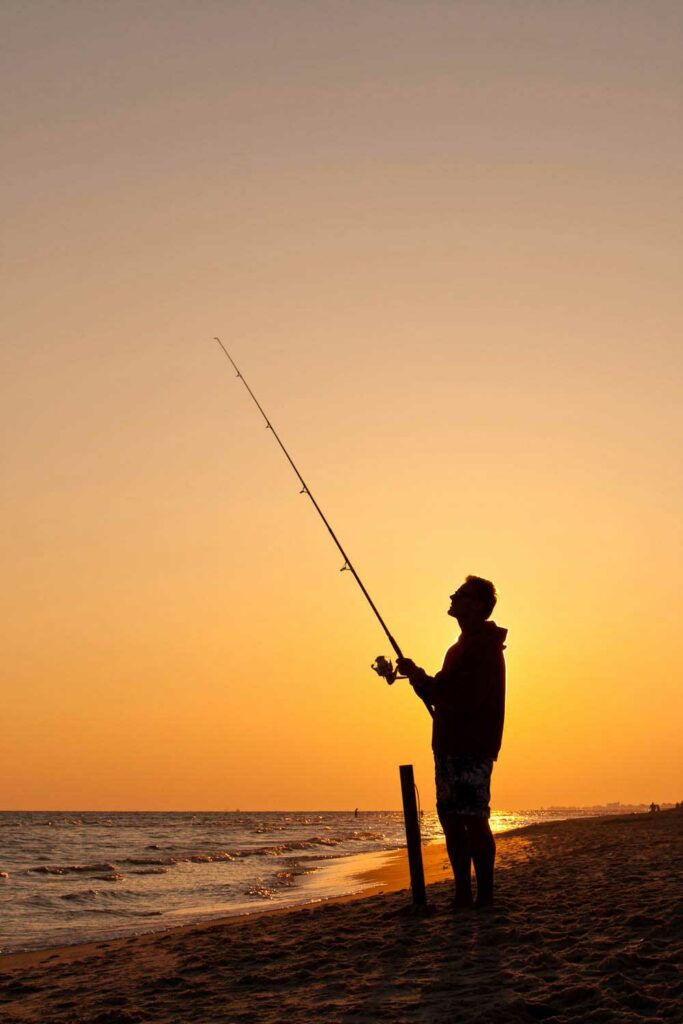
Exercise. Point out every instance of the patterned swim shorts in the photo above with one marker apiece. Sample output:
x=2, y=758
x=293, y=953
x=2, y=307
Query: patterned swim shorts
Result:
x=463, y=784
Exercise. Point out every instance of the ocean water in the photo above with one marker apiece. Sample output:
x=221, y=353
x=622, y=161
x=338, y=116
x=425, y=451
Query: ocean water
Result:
x=76, y=877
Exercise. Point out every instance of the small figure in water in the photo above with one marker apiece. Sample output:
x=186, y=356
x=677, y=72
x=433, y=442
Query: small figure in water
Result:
x=355, y=813
x=468, y=696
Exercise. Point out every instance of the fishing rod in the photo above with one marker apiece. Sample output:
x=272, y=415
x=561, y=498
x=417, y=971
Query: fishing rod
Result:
x=382, y=666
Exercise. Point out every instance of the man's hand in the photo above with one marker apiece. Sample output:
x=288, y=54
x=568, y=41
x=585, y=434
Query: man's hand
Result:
x=406, y=667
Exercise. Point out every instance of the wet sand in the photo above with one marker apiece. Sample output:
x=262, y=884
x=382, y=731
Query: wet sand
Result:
x=588, y=928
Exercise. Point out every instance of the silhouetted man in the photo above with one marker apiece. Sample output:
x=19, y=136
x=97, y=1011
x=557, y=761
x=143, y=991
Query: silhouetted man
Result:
x=468, y=697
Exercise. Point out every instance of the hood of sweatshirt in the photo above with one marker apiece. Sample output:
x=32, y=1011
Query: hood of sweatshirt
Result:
x=490, y=634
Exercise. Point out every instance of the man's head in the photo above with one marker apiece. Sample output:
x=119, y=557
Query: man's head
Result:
x=473, y=601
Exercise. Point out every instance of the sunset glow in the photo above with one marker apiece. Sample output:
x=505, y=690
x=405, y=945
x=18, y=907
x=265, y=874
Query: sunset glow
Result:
x=444, y=250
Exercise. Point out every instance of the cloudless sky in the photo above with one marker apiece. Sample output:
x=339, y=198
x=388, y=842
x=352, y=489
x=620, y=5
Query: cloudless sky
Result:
x=443, y=242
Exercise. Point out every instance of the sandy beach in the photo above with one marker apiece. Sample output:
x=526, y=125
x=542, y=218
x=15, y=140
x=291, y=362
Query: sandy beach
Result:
x=588, y=928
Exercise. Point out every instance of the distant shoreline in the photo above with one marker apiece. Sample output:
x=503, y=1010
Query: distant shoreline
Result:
x=594, y=810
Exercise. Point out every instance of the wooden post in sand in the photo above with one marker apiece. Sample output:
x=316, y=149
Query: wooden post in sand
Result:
x=412, y=822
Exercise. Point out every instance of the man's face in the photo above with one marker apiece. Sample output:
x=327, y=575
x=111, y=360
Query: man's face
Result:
x=464, y=603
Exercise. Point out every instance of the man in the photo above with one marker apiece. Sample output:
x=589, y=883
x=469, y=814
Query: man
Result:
x=468, y=696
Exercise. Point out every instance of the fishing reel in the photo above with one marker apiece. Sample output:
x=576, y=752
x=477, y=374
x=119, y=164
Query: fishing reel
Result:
x=384, y=667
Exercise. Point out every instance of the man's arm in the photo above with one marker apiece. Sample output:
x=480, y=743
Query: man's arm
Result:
x=460, y=688
x=418, y=679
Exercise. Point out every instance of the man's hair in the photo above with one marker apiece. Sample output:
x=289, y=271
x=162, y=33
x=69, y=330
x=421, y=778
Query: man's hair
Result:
x=484, y=591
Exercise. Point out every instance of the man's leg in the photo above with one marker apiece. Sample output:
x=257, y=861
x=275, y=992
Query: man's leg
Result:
x=458, y=846
x=483, y=849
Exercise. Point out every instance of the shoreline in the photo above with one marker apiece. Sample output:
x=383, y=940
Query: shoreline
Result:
x=391, y=876
x=588, y=926
x=334, y=876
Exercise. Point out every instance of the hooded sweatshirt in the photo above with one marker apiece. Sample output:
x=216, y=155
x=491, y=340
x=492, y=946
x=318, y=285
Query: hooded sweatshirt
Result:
x=468, y=695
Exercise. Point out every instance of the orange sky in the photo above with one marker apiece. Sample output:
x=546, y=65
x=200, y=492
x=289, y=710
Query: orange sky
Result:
x=443, y=242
